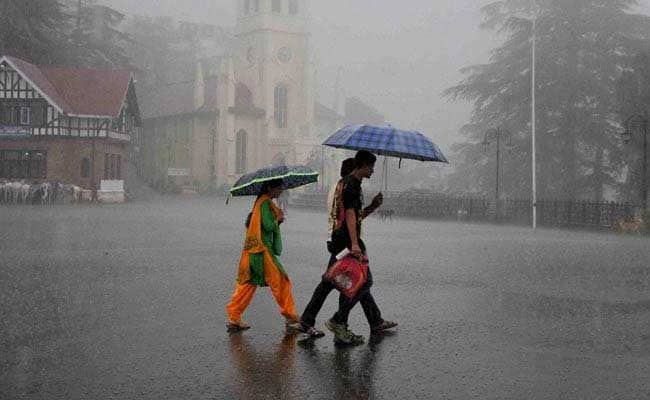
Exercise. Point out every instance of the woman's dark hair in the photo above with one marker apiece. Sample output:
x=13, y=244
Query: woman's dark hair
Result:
x=272, y=184
x=363, y=158
x=347, y=166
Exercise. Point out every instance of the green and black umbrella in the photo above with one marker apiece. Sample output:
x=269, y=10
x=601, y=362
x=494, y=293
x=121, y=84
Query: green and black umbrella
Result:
x=292, y=177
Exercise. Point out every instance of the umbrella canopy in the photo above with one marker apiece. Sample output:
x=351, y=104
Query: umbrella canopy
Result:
x=292, y=177
x=386, y=141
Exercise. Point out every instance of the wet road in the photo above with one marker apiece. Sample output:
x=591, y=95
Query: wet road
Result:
x=126, y=302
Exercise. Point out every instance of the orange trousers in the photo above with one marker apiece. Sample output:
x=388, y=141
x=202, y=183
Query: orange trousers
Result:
x=280, y=287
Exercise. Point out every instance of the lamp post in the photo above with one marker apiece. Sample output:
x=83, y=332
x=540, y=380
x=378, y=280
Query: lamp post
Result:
x=533, y=117
x=322, y=169
x=639, y=123
x=498, y=134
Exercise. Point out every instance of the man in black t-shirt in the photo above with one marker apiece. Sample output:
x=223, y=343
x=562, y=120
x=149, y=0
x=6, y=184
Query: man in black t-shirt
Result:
x=349, y=236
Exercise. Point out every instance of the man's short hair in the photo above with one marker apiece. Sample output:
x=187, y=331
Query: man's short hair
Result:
x=347, y=166
x=364, y=158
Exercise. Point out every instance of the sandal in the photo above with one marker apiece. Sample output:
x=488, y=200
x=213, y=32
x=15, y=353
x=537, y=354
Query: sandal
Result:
x=233, y=327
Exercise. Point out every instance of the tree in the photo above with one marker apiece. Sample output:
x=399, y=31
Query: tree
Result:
x=583, y=45
x=62, y=33
x=634, y=98
x=97, y=40
x=34, y=30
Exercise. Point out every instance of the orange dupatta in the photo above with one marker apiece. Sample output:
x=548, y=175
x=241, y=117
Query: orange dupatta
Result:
x=253, y=243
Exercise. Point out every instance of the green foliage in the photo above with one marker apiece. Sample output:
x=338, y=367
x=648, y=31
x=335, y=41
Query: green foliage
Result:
x=582, y=47
x=62, y=33
x=34, y=30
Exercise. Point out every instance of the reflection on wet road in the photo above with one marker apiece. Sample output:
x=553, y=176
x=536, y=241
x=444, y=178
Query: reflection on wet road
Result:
x=342, y=372
x=127, y=302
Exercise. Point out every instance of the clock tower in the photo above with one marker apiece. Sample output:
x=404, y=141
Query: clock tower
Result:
x=272, y=73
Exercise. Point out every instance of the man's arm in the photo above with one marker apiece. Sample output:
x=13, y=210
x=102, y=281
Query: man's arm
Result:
x=374, y=205
x=368, y=210
x=351, y=221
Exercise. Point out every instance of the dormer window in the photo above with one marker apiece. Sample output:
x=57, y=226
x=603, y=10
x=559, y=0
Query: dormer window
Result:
x=293, y=7
x=276, y=6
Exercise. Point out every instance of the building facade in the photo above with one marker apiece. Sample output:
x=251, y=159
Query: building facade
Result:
x=69, y=125
x=244, y=110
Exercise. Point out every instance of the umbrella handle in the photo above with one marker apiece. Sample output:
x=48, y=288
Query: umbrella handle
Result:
x=384, y=175
x=228, y=198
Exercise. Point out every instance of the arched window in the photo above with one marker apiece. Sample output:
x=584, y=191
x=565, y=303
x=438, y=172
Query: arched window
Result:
x=240, y=152
x=281, y=103
x=243, y=96
x=85, y=168
x=293, y=7
x=276, y=6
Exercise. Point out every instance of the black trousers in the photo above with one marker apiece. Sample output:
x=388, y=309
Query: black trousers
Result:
x=370, y=309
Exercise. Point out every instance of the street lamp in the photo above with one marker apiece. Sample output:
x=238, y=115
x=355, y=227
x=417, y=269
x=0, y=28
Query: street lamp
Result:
x=498, y=134
x=639, y=123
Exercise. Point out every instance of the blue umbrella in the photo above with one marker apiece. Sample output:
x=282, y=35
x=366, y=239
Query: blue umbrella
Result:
x=292, y=177
x=386, y=141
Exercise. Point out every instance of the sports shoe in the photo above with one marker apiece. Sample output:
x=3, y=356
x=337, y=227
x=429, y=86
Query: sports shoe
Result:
x=342, y=334
x=383, y=326
x=233, y=327
x=313, y=332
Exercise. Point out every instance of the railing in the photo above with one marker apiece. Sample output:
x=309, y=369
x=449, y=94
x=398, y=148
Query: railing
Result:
x=551, y=213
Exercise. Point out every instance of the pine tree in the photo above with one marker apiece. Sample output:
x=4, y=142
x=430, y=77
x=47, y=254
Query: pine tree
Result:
x=583, y=47
x=34, y=30
x=97, y=40
x=62, y=33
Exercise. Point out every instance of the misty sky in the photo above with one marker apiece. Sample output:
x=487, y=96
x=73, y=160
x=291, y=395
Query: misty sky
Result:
x=397, y=58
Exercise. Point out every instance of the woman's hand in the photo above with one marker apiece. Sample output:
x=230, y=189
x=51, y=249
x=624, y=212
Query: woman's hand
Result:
x=280, y=217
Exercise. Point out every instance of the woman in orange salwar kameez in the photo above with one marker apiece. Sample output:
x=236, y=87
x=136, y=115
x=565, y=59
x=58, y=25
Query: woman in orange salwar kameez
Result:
x=259, y=264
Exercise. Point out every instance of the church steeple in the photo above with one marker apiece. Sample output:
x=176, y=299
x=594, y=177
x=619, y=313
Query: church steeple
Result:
x=281, y=15
x=272, y=61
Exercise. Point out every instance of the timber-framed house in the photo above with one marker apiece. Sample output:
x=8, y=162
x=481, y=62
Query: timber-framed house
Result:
x=66, y=124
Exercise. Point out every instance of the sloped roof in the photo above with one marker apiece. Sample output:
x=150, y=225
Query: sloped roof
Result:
x=177, y=99
x=167, y=100
x=77, y=91
x=321, y=111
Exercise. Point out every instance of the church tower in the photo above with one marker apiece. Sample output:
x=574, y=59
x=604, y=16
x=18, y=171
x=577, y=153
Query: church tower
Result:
x=272, y=80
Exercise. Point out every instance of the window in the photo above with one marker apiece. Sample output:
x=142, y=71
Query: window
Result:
x=39, y=113
x=112, y=173
x=276, y=6
x=256, y=6
x=112, y=166
x=243, y=96
x=242, y=143
x=107, y=166
x=247, y=6
x=281, y=103
x=25, y=116
x=85, y=168
x=23, y=164
x=6, y=114
x=14, y=115
x=293, y=7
